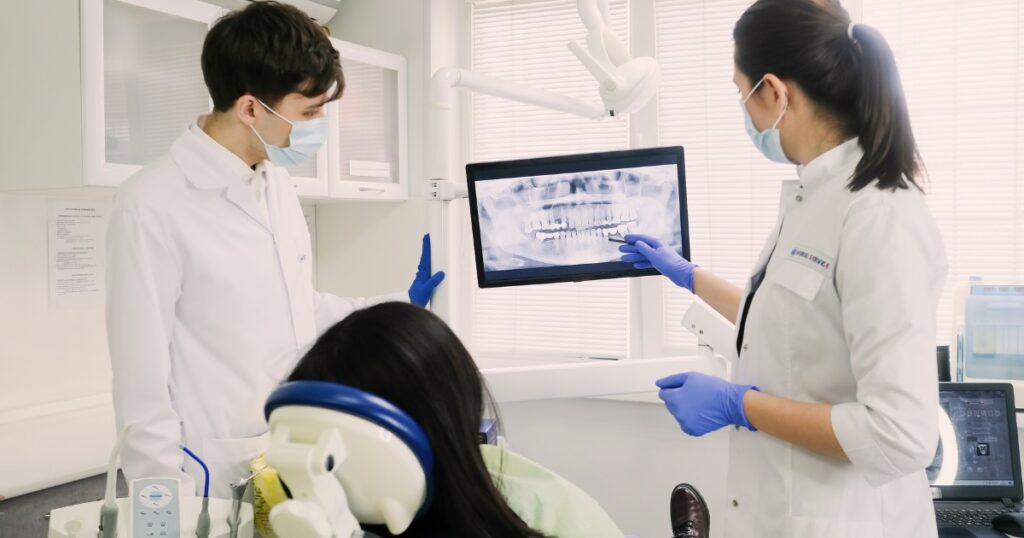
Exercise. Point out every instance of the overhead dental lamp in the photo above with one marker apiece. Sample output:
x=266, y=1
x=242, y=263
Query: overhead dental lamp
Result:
x=625, y=84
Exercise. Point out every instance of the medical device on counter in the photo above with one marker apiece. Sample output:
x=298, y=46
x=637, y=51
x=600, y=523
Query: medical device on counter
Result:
x=154, y=508
x=555, y=219
x=989, y=334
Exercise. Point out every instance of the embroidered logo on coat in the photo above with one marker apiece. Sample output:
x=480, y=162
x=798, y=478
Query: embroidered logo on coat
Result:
x=815, y=259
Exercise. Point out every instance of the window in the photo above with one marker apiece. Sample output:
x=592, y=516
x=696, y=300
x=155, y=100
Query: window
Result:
x=962, y=65
x=524, y=41
x=732, y=191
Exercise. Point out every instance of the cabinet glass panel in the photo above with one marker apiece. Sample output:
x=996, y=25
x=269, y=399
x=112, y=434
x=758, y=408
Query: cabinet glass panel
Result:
x=368, y=124
x=153, y=83
x=306, y=169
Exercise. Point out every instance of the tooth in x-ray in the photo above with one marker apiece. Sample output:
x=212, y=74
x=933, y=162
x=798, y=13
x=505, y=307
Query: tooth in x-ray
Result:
x=565, y=219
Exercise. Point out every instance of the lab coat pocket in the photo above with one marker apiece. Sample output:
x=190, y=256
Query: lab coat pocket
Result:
x=799, y=279
x=229, y=459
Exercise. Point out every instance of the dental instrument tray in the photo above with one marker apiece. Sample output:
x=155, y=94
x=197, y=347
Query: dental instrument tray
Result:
x=559, y=219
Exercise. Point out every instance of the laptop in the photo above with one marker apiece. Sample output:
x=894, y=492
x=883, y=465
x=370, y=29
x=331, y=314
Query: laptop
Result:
x=975, y=475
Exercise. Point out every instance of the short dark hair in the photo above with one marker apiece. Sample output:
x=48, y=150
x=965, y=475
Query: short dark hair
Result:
x=848, y=70
x=268, y=50
x=411, y=358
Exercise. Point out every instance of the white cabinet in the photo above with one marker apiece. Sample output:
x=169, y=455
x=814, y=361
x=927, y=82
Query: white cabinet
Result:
x=137, y=65
x=141, y=80
x=368, y=140
x=311, y=176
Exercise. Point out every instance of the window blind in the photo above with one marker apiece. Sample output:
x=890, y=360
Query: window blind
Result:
x=732, y=191
x=525, y=41
x=962, y=65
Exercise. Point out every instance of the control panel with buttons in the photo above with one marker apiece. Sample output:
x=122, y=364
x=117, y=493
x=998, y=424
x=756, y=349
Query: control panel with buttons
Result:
x=155, y=508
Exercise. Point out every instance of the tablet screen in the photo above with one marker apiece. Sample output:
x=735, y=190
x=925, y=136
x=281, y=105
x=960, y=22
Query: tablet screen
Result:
x=553, y=219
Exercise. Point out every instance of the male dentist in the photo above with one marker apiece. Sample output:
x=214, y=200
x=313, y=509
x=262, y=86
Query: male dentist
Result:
x=210, y=300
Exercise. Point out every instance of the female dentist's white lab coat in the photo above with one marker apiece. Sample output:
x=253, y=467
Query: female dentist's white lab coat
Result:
x=845, y=315
x=210, y=304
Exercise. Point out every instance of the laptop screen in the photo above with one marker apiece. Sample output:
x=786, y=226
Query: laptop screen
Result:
x=977, y=440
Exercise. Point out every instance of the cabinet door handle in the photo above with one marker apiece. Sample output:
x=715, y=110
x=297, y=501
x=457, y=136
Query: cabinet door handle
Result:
x=373, y=190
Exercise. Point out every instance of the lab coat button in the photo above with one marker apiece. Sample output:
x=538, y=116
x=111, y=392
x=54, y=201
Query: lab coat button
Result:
x=735, y=503
x=799, y=198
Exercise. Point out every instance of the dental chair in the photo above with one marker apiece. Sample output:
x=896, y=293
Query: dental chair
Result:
x=346, y=457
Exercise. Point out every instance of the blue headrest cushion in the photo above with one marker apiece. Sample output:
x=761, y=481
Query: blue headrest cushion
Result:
x=362, y=404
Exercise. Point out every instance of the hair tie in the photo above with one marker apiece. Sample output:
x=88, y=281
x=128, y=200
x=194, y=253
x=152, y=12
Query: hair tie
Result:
x=849, y=31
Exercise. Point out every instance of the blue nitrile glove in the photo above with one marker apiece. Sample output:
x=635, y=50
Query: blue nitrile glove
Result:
x=702, y=403
x=423, y=285
x=644, y=252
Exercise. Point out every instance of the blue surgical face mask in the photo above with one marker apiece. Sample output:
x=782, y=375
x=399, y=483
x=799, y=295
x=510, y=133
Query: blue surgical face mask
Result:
x=304, y=141
x=769, y=141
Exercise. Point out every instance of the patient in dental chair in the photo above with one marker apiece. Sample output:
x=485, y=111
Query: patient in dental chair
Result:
x=408, y=356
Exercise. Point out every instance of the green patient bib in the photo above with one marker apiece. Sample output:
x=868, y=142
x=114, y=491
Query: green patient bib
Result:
x=545, y=501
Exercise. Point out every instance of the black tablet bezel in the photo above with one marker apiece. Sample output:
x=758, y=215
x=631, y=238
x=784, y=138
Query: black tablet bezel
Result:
x=992, y=493
x=608, y=160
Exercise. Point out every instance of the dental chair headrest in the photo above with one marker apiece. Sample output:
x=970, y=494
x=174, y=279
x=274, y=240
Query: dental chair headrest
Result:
x=363, y=405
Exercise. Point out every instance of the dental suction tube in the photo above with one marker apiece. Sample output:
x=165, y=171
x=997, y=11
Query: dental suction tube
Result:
x=108, y=511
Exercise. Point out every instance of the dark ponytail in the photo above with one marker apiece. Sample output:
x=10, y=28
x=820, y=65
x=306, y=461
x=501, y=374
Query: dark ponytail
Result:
x=852, y=77
x=890, y=152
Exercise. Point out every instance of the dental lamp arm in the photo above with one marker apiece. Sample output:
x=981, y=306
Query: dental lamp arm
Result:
x=597, y=68
x=448, y=78
x=605, y=51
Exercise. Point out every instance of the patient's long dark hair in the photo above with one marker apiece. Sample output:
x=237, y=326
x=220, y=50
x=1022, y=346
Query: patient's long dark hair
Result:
x=408, y=356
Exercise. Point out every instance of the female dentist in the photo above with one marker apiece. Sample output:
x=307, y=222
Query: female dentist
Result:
x=834, y=404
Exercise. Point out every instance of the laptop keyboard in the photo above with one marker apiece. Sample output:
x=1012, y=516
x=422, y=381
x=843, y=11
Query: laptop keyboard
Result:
x=966, y=518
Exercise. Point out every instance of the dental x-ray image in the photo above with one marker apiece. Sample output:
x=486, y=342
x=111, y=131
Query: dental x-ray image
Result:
x=531, y=226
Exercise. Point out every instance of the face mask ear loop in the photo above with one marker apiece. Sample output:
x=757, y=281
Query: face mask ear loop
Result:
x=255, y=132
x=751, y=94
x=274, y=112
x=752, y=90
x=784, y=110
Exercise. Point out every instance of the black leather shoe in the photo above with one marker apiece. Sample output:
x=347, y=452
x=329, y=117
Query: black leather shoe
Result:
x=689, y=512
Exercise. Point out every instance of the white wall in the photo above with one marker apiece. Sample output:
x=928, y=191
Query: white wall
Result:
x=52, y=359
x=54, y=370
x=627, y=455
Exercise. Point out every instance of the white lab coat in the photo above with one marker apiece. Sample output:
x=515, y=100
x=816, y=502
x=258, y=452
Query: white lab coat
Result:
x=209, y=307
x=845, y=315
